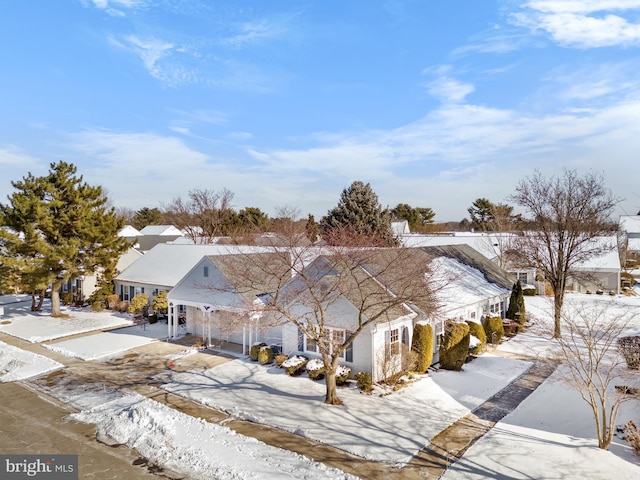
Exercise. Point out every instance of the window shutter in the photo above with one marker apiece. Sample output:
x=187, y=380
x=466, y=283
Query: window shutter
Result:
x=300, y=341
x=348, y=354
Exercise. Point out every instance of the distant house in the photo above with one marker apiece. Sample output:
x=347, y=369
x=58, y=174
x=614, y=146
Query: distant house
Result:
x=598, y=273
x=162, y=267
x=400, y=227
x=152, y=235
x=130, y=233
x=630, y=236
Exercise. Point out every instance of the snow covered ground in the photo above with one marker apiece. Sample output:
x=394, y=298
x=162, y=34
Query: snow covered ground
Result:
x=18, y=364
x=99, y=346
x=550, y=435
x=40, y=326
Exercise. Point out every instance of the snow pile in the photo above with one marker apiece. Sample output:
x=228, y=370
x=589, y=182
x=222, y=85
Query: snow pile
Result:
x=101, y=345
x=193, y=447
x=18, y=364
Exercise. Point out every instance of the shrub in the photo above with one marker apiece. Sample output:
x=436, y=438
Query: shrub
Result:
x=280, y=359
x=422, y=345
x=477, y=331
x=98, y=306
x=516, y=304
x=66, y=298
x=629, y=347
x=160, y=303
x=529, y=292
x=122, y=306
x=255, y=350
x=454, y=347
x=632, y=435
x=153, y=319
x=510, y=327
x=113, y=301
x=494, y=329
x=294, y=365
x=265, y=355
x=315, y=369
x=342, y=375
x=138, y=303
x=364, y=381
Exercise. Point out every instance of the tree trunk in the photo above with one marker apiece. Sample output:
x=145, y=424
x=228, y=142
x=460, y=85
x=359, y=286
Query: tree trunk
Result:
x=36, y=305
x=558, y=297
x=55, y=299
x=332, y=391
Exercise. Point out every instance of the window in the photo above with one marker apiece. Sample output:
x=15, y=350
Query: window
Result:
x=206, y=270
x=522, y=277
x=394, y=341
x=495, y=308
x=336, y=336
x=312, y=345
x=473, y=315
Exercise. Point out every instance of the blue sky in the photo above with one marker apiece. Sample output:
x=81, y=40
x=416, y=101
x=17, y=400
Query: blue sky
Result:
x=285, y=103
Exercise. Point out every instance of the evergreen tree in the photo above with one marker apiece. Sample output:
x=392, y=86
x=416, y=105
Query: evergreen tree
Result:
x=63, y=225
x=358, y=213
x=311, y=229
x=516, y=304
x=147, y=216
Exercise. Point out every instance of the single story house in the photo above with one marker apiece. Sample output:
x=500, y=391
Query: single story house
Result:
x=210, y=301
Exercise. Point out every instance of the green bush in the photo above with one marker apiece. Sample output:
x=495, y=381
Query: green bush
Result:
x=315, y=369
x=422, y=345
x=265, y=355
x=160, y=304
x=454, y=348
x=153, y=319
x=295, y=365
x=477, y=331
x=364, y=381
x=529, y=292
x=342, y=375
x=255, y=350
x=98, y=306
x=138, y=303
x=66, y=298
x=493, y=325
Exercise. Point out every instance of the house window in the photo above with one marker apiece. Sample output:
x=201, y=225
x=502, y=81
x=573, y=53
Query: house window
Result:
x=495, y=308
x=394, y=341
x=336, y=337
x=348, y=351
x=522, y=277
x=312, y=345
x=206, y=270
x=473, y=315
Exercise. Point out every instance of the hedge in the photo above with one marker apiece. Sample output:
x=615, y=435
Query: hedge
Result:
x=422, y=345
x=493, y=325
x=454, y=347
x=477, y=331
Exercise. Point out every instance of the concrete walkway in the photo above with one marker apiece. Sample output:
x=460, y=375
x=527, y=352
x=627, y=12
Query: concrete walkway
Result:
x=138, y=371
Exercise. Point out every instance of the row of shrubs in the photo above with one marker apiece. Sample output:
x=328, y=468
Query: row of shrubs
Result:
x=297, y=364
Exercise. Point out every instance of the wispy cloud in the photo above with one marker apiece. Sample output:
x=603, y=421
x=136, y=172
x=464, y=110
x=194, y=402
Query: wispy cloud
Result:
x=445, y=87
x=594, y=81
x=251, y=33
x=116, y=8
x=582, y=23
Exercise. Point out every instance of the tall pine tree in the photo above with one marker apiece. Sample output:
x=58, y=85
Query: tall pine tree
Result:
x=61, y=226
x=358, y=214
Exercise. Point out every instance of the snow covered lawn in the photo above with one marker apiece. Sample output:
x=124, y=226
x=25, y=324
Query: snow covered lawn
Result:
x=389, y=428
x=98, y=346
x=35, y=327
x=194, y=447
x=18, y=364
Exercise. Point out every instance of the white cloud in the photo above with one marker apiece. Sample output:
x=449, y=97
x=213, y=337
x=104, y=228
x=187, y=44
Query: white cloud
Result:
x=444, y=87
x=582, y=23
x=252, y=32
x=114, y=7
x=13, y=156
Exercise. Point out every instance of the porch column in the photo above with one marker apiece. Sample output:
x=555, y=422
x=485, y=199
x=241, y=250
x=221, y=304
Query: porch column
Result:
x=170, y=321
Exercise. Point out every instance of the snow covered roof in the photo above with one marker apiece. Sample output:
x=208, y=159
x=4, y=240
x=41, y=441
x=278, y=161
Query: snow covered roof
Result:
x=165, y=264
x=129, y=231
x=488, y=244
x=633, y=244
x=400, y=227
x=630, y=224
x=161, y=230
x=607, y=261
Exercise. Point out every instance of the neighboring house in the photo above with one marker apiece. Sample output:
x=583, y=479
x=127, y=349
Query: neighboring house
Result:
x=152, y=235
x=630, y=236
x=209, y=303
x=85, y=285
x=162, y=267
x=400, y=227
x=598, y=273
x=131, y=234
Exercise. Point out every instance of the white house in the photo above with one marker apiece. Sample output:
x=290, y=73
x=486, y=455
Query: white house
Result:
x=152, y=235
x=162, y=267
x=630, y=232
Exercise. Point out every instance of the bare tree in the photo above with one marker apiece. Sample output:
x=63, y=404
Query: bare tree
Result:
x=204, y=215
x=568, y=214
x=593, y=363
x=309, y=288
